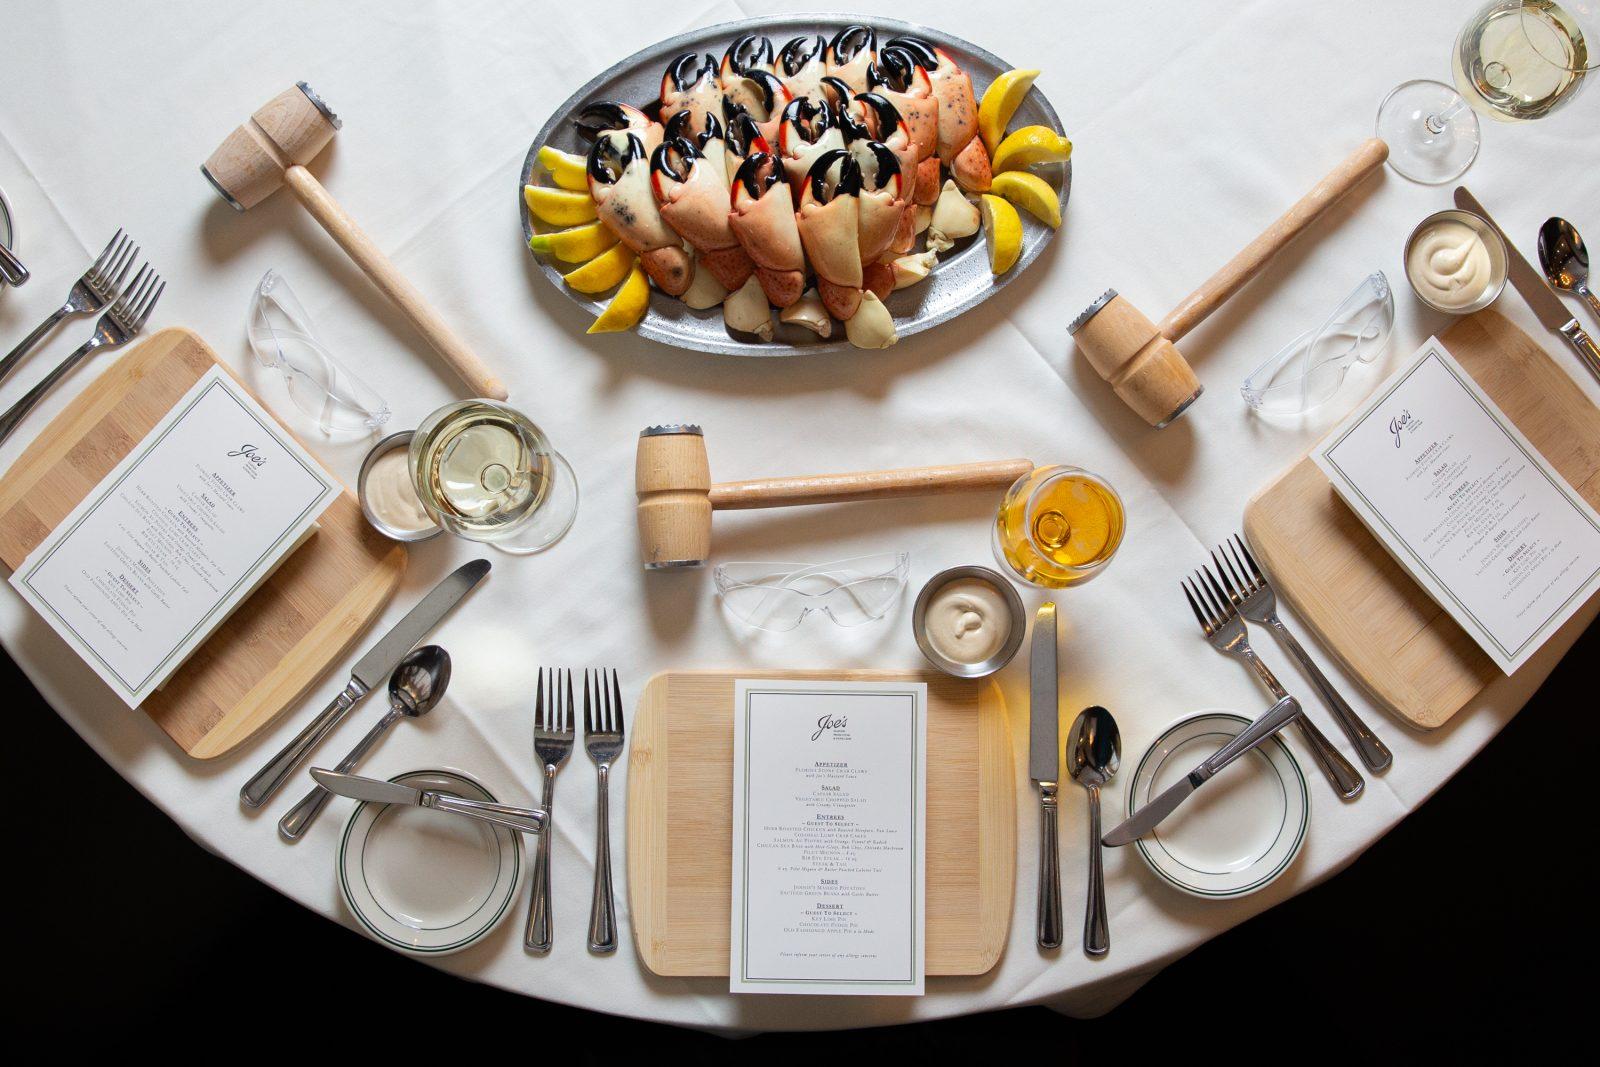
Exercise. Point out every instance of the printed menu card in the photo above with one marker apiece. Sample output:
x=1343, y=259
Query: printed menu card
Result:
x=1467, y=505
x=829, y=844
x=176, y=536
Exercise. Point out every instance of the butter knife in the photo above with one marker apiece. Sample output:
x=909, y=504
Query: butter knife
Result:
x=1547, y=307
x=369, y=673
x=1151, y=815
x=376, y=791
x=1044, y=767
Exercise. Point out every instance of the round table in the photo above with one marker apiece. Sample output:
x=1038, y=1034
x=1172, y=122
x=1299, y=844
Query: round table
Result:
x=1193, y=126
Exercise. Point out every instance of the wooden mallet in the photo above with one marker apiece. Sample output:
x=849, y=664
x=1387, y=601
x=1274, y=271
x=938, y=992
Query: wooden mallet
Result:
x=1139, y=358
x=676, y=497
x=271, y=150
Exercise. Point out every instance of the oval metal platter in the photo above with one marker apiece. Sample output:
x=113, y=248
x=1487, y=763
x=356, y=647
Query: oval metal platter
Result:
x=962, y=278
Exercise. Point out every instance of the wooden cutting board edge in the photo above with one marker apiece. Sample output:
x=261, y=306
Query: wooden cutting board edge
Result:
x=648, y=831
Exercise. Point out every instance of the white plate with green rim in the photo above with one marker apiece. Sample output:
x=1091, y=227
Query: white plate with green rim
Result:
x=1238, y=832
x=425, y=881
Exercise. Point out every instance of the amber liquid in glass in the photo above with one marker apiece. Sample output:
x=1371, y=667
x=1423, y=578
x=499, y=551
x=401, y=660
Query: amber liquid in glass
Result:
x=1059, y=526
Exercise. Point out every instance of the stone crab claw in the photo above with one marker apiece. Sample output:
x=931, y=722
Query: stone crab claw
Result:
x=807, y=129
x=748, y=53
x=882, y=124
x=619, y=183
x=883, y=207
x=694, y=202
x=742, y=139
x=801, y=65
x=762, y=96
x=691, y=88
x=960, y=148
x=900, y=78
x=829, y=220
x=616, y=119
x=764, y=221
x=851, y=53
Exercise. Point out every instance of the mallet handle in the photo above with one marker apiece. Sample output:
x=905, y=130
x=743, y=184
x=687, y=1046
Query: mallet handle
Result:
x=1244, y=266
x=866, y=485
x=343, y=229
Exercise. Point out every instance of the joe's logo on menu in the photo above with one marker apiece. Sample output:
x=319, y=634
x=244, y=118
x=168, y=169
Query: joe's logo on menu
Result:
x=829, y=724
x=250, y=455
x=1400, y=424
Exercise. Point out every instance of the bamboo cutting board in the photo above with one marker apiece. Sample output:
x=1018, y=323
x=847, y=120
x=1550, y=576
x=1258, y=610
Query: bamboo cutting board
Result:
x=1409, y=654
x=279, y=641
x=680, y=819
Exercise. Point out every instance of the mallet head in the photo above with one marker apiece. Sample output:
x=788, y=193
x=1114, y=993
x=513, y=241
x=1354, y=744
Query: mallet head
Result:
x=673, y=479
x=289, y=129
x=1125, y=348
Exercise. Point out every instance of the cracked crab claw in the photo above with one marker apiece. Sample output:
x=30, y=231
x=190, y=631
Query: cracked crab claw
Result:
x=801, y=64
x=830, y=224
x=686, y=87
x=619, y=183
x=763, y=220
x=742, y=139
x=874, y=118
x=760, y=95
x=747, y=53
x=712, y=143
x=902, y=80
x=851, y=53
x=960, y=147
x=694, y=203
x=616, y=120
x=806, y=131
x=882, y=209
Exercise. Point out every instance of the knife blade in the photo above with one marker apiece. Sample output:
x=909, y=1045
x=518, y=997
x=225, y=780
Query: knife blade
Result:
x=1151, y=815
x=1044, y=766
x=1547, y=307
x=368, y=673
x=376, y=791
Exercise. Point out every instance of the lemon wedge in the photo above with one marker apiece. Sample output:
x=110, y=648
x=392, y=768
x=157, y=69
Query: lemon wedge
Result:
x=559, y=207
x=603, y=271
x=577, y=245
x=1031, y=193
x=1002, y=230
x=568, y=171
x=1030, y=145
x=1000, y=102
x=627, y=307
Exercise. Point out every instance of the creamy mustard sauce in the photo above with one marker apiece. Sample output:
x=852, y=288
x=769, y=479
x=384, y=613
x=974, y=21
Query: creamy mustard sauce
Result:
x=392, y=497
x=967, y=620
x=1449, y=264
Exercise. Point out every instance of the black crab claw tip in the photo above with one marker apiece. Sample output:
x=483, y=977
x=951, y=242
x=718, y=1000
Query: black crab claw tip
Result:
x=853, y=128
x=917, y=49
x=606, y=162
x=817, y=176
x=771, y=86
x=598, y=117
x=713, y=131
x=880, y=105
x=674, y=158
x=839, y=88
x=888, y=163
x=803, y=110
x=795, y=54
x=743, y=132
x=747, y=50
x=684, y=72
x=848, y=43
x=678, y=125
x=755, y=174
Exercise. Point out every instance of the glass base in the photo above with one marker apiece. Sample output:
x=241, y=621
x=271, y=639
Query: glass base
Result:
x=1433, y=136
x=552, y=519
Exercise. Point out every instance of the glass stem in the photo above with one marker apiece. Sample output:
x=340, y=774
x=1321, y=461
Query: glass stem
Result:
x=1439, y=122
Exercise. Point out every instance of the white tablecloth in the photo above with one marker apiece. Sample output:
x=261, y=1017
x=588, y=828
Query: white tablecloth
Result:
x=1193, y=125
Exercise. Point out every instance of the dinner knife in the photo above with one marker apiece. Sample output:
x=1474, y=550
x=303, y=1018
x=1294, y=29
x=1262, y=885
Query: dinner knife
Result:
x=356, y=787
x=1044, y=767
x=369, y=673
x=1547, y=307
x=1150, y=816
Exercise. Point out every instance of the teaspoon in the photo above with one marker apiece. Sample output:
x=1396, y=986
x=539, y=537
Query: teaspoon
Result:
x=1093, y=753
x=415, y=688
x=1565, y=260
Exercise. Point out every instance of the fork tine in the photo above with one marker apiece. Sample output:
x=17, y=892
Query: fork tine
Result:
x=568, y=705
x=1224, y=605
x=142, y=314
x=1229, y=586
x=538, y=701
x=1207, y=601
x=1254, y=567
x=588, y=714
x=115, y=282
x=1247, y=580
x=1198, y=614
x=616, y=688
x=105, y=256
x=120, y=305
x=1239, y=586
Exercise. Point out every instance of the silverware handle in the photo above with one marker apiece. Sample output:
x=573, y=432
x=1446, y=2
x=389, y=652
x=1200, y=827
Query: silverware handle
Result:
x=537, y=937
x=1049, y=869
x=19, y=411
x=298, y=819
x=524, y=820
x=602, y=909
x=1346, y=781
x=1373, y=752
x=1096, y=926
x=8, y=364
x=1590, y=299
x=12, y=272
x=1276, y=718
x=269, y=779
x=1580, y=341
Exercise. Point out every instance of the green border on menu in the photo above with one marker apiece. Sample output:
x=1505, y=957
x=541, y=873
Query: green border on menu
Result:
x=146, y=447
x=916, y=771
x=1533, y=461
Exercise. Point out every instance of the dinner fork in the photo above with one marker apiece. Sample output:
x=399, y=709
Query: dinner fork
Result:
x=602, y=738
x=99, y=286
x=1225, y=630
x=1253, y=595
x=119, y=325
x=552, y=744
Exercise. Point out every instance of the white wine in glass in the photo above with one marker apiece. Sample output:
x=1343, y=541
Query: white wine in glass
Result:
x=1517, y=60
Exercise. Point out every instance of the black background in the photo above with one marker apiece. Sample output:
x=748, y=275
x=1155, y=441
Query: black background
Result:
x=1468, y=928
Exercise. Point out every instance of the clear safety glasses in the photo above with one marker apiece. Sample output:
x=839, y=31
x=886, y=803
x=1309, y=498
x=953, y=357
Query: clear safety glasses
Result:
x=281, y=337
x=778, y=596
x=1312, y=367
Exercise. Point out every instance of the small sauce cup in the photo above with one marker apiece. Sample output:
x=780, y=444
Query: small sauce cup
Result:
x=1491, y=241
x=1018, y=619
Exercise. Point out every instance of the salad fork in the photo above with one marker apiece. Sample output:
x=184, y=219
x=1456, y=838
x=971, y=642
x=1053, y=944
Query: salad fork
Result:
x=552, y=744
x=1224, y=629
x=1252, y=594
x=119, y=325
x=99, y=286
x=602, y=738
